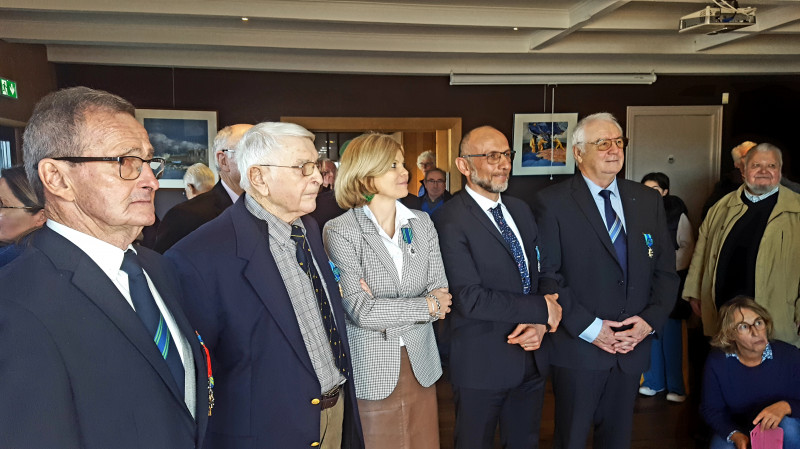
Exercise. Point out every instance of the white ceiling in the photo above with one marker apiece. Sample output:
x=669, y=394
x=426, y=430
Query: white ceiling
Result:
x=406, y=36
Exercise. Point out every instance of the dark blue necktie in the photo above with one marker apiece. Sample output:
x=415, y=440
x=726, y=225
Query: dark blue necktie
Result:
x=151, y=317
x=306, y=261
x=516, y=248
x=615, y=231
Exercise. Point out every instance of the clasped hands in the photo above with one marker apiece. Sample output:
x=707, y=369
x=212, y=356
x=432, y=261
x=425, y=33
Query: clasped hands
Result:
x=622, y=342
x=529, y=336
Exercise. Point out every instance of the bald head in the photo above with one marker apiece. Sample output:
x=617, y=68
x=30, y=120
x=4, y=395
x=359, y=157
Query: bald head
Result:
x=224, y=145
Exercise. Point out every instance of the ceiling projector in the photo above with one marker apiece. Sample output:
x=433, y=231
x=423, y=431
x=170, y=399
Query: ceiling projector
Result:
x=713, y=20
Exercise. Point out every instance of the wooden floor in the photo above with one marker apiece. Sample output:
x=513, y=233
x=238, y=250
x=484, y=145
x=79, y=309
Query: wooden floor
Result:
x=658, y=424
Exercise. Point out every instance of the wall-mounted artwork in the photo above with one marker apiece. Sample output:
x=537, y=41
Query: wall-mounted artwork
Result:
x=542, y=143
x=183, y=138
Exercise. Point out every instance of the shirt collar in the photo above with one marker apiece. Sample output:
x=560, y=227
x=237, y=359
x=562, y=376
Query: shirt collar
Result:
x=484, y=203
x=401, y=217
x=595, y=189
x=231, y=193
x=107, y=256
x=757, y=198
x=277, y=228
x=766, y=355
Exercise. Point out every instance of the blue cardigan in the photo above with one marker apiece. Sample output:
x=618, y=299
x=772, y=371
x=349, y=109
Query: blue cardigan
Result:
x=734, y=394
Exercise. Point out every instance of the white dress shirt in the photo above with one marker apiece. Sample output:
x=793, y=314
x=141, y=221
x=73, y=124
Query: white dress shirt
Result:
x=487, y=205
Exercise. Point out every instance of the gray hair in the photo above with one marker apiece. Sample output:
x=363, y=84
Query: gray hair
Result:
x=426, y=156
x=579, y=135
x=226, y=139
x=55, y=128
x=200, y=176
x=764, y=148
x=261, y=142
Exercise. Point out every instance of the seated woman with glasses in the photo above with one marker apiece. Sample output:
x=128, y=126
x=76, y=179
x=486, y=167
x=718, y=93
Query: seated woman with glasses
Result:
x=393, y=287
x=20, y=212
x=751, y=380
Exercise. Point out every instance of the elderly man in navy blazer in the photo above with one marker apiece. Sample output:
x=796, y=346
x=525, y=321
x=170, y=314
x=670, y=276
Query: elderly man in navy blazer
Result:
x=606, y=239
x=96, y=352
x=260, y=289
x=490, y=249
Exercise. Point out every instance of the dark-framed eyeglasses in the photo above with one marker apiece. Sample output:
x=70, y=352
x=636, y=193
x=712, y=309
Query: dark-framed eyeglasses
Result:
x=495, y=156
x=31, y=208
x=130, y=167
x=434, y=181
x=745, y=328
x=306, y=168
x=605, y=144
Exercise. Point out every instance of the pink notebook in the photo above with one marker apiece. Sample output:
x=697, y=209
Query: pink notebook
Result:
x=766, y=439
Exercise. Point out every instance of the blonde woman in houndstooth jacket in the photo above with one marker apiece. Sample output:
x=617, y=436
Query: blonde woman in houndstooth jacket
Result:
x=393, y=287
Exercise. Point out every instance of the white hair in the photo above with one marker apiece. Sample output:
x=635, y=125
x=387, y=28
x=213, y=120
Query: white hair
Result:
x=261, y=142
x=579, y=134
x=200, y=176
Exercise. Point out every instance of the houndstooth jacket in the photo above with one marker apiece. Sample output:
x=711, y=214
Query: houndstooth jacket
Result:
x=396, y=308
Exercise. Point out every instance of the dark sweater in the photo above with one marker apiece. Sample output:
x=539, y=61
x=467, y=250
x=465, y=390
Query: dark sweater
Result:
x=733, y=394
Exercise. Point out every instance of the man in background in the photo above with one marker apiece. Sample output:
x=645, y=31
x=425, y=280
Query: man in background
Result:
x=185, y=217
x=435, y=192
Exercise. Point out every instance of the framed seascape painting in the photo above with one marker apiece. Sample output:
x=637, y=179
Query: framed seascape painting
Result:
x=542, y=143
x=183, y=138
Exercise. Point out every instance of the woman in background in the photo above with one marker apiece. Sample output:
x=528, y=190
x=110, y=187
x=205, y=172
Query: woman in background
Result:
x=666, y=353
x=20, y=212
x=750, y=380
x=393, y=287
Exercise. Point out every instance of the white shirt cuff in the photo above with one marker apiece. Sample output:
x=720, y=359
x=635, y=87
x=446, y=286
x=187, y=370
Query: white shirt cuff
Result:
x=590, y=333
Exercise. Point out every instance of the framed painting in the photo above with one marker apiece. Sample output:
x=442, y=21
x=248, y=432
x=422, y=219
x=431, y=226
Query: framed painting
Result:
x=542, y=143
x=183, y=138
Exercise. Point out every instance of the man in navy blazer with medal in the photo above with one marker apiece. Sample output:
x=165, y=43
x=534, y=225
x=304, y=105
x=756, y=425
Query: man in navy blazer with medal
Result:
x=490, y=252
x=606, y=241
x=96, y=352
x=260, y=289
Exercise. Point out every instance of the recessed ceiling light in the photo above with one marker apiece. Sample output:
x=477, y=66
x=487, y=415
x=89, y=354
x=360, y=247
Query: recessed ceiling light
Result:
x=245, y=19
x=516, y=29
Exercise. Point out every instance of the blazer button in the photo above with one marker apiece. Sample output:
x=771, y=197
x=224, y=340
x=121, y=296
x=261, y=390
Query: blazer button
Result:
x=315, y=401
x=621, y=283
x=315, y=444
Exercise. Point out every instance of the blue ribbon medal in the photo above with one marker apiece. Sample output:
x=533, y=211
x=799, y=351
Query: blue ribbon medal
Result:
x=648, y=240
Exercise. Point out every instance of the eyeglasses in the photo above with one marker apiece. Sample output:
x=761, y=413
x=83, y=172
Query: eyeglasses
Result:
x=605, y=144
x=306, y=168
x=3, y=206
x=130, y=167
x=434, y=181
x=745, y=328
x=495, y=156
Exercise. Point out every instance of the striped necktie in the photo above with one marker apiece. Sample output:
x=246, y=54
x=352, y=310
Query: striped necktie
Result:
x=151, y=317
x=516, y=248
x=615, y=231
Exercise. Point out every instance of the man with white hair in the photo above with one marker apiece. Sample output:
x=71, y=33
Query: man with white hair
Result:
x=198, y=179
x=748, y=245
x=185, y=217
x=260, y=289
x=606, y=241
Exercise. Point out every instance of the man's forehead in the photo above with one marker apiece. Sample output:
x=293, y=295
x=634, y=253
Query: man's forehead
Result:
x=435, y=175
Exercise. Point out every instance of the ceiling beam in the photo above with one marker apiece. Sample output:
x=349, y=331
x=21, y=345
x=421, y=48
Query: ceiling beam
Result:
x=578, y=17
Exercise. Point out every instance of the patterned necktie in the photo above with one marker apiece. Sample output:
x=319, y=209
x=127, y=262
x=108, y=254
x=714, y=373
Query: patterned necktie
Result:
x=306, y=261
x=151, y=317
x=615, y=231
x=516, y=248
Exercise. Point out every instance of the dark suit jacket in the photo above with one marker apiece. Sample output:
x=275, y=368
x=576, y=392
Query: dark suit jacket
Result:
x=264, y=378
x=577, y=252
x=185, y=217
x=78, y=368
x=488, y=302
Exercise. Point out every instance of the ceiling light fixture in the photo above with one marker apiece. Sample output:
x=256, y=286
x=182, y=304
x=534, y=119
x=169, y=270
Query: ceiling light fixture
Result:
x=245, y=19
x=516, y=29
x=467, y=79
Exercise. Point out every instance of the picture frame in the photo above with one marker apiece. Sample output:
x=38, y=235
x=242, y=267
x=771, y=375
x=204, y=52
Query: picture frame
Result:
x=538, y=131
x=183, y=138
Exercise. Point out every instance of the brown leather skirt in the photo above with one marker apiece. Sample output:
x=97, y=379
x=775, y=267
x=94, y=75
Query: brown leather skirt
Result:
x=407, y=419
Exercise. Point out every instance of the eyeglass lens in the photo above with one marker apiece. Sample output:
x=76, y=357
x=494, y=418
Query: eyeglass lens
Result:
x=130, y=167
x=605, y=144
x=494, y=157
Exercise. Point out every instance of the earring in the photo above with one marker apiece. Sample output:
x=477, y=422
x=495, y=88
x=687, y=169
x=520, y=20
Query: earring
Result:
x=369, y=196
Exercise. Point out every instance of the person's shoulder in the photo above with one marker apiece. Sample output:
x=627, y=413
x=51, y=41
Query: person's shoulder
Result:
x=452, y=209
x=781, y=348
x=344, y=221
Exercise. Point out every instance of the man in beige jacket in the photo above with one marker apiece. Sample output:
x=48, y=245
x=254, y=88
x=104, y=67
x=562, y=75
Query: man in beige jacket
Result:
x=749, y=245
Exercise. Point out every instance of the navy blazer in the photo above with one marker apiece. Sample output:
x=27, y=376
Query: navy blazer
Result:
x=78, y=369
x=577, y=252
x=488, y=302
x=235, y=295
x=189, y=215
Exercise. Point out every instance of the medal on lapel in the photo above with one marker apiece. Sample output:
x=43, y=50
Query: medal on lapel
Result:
x=538, y=260
x=210, y=374
x=408, y=237
x=648, y=240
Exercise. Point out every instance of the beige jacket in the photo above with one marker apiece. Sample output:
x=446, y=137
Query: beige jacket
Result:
x=777, y=264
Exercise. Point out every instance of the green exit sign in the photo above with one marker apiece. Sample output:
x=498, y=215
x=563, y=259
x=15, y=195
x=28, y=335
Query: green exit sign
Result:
x=8, y=88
